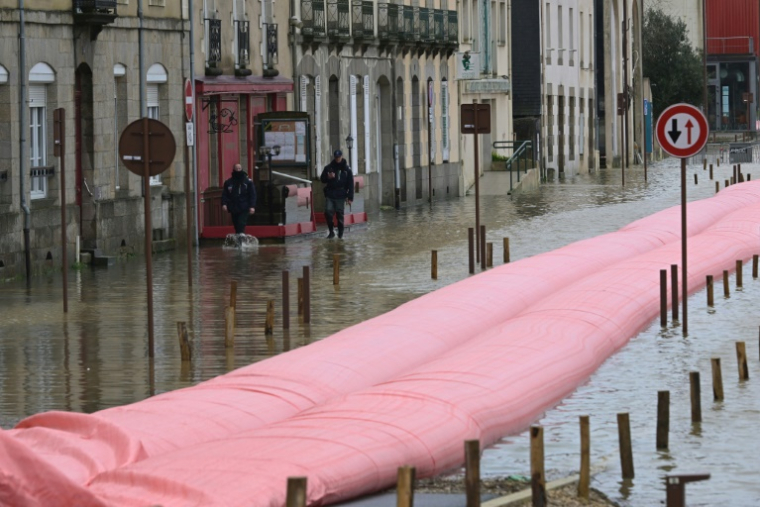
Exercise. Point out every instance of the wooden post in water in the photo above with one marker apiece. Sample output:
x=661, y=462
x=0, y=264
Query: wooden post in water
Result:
x=738, y=273
x=537, y=474
x=285, y=300
x=299, y=296
x=585, y=471
x=185, y=351
x=695, y=178
x=471, y=249
x=229, y=327
x=624, y=441
x=741, y=359
x=663, y=298
x=725, y=184
x=755, y=259
x=674, y=291
x=269, y=324
x=434, y=264
x=296, y=495
x=711, y=171
x=489, y=256
x=717, y=377
x=726, y=291
x=704, y=164
x=405, y=486
x=483, y=247
x=233, y=294
x=710, y=292
x=472, y=472
x=663, y=419
x=336, y=269
x=306, y=296
x=696, y=399
x=506, y=250
x=717, y=187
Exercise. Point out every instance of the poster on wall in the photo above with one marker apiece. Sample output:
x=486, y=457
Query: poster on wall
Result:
x=290, y=131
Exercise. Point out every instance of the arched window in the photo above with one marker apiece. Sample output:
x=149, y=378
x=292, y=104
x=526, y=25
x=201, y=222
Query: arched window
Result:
x=40, y=76
x=3, y=75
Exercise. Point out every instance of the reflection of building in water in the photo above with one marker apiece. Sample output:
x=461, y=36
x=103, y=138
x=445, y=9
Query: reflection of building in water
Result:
x=733, y=45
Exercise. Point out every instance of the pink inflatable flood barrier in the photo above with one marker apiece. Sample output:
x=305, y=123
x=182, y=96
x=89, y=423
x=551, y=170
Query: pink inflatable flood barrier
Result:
x=479, y=359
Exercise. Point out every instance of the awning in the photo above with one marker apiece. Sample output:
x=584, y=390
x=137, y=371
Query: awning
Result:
x=248, y=85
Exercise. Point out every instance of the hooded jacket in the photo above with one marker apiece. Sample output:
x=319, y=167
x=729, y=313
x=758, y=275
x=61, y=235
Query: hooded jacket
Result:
x=342, y=186
x=239, y=193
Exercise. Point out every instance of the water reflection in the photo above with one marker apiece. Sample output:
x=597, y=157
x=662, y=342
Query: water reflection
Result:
x=95, y=357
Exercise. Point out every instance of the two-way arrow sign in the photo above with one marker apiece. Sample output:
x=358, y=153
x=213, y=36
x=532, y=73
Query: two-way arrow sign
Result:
x=682, y=118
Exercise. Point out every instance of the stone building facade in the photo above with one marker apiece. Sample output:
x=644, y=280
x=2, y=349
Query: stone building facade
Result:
x=84, y=57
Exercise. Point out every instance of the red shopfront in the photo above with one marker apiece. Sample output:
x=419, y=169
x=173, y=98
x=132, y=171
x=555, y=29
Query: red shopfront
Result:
x=225, y=110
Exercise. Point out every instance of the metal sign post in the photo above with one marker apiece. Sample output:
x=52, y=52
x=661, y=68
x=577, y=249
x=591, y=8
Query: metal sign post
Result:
x=682, y=131
x=476, y=119
x=147, y=148
x=188, y=142
x=59, y=150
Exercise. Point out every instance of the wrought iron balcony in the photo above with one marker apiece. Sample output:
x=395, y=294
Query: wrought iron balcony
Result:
x=95, y=13
x=406, y=14
x=387, y=21
x=452, y=39
x=362, y=19
x=313, y=18
x=438, y=26
x=271, y=56
x=338, y=19
x=243, y=46
x=425, y=32
x=214, y=47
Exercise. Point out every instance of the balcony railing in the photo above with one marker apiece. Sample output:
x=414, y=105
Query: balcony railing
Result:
x=313, y=18
x=743, y=45
x=438, y=33
x=95, y=13
x=243, y=45
x=452, y=32
x=338, y=19
x=387, y=21
x=271, y=53
x=424, y=24
x=362, y=19
x=406, y=13
x=214, y=46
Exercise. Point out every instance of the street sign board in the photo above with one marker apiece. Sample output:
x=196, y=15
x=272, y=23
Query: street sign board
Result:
x=682, y=130
x=161, y=147
x=467, y=116
x=188, y=100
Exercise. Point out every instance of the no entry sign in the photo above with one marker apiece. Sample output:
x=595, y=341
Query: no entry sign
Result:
x=189, y=100
x=682, y=130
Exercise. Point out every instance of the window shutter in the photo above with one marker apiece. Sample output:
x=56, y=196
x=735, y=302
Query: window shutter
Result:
x=152, y=94
x=304, y=87
x=37, y=95
x=318, y=120
x=367, y=123
x=445, y=119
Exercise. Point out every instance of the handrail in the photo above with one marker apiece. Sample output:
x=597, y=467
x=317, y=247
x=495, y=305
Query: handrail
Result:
x=283, y=175
x=518, y=154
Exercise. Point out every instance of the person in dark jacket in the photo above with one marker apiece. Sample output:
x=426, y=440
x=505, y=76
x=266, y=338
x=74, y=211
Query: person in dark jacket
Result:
x=339, y=190
x=239, y=198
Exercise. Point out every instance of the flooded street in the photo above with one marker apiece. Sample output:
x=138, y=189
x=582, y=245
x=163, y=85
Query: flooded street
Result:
x=95, y=356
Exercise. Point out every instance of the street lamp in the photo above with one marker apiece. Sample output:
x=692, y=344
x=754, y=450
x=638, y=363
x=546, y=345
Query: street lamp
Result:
x=349, y=145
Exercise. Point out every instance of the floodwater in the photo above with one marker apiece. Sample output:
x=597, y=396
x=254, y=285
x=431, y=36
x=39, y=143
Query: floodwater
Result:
x=95, y=356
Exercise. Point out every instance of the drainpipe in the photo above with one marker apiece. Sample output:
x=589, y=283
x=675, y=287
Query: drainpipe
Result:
x=195, y=143
x=140, y=43
x=22, y=137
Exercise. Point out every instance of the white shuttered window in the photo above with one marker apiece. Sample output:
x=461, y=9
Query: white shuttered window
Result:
x=37, y=137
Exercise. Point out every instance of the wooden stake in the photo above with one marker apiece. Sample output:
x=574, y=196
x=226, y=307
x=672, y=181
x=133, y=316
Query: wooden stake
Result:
x=489, y=251
x=717, y=187
x=229, y=327
x=726, y=291
x=506, y=250
x=405, y=486
x=233, y=294
x=704, y=164
x=738, y=273
x=185, y=351
x=336, y=269
x=711, y=171
x=434, y=264
x=741, y=359
x=299, y=283
x=585, y=472
x=710, y=292
x=471, y=248
x=695, y=178
x=663, y=419
x=663, y=298
x=269, y=324
x=674, y=290
x=285, y=300
x=296, y=496
x=696, y=399
x=624, y=441
x=717, y=377
x=306, y=296
x=483, y=247
x=755, y=259
x=537, y=474
x=472, y=472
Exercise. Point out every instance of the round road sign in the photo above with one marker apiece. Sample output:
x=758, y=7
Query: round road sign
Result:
x=682, y=130
x=188, y=100
x=161, y=147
